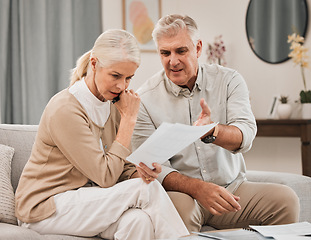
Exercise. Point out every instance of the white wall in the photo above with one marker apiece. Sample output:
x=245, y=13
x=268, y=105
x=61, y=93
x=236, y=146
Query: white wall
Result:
x=264, y=80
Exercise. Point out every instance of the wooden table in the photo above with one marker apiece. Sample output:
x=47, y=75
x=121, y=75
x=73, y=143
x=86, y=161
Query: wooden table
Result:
x=290, y=128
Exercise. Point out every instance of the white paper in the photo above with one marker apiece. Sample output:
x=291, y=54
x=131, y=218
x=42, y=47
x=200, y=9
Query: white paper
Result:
x=166, y=141
x=290, y=237
x=302, y=228
x=236, y=234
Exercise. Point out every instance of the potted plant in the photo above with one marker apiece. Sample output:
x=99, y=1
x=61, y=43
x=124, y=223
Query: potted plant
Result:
x=284, y=109
x=299, y=55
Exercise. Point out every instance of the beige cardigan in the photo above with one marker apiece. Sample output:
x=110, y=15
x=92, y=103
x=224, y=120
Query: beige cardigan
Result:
x=67, y=155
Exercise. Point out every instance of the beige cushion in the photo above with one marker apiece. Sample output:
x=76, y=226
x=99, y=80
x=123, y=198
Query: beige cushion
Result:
x=7, y=202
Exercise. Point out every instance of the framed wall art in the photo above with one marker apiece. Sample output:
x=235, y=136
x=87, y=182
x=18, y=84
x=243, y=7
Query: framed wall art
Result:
x=139, y=18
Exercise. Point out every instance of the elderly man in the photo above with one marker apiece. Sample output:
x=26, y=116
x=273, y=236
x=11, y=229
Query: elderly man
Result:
x=206, y=181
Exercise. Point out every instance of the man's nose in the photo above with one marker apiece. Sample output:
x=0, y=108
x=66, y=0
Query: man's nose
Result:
x=174, y=60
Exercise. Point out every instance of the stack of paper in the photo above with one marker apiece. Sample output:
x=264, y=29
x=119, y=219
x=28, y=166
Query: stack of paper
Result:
x=285, y=232
x=294, y=231
x=236, y=234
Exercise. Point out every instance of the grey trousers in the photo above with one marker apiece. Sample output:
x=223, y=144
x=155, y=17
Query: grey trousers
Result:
x=261, y=204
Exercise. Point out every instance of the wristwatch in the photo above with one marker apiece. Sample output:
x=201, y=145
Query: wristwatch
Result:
x=211, y=138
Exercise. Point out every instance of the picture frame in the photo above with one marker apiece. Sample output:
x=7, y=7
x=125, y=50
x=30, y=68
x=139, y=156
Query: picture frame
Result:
x=139, y=18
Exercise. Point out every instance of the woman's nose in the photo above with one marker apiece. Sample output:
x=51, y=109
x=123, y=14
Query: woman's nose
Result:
x=121, y=85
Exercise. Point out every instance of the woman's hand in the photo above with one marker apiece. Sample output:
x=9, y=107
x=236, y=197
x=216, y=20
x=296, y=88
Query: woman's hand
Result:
x=148, y=175
x=128, y=105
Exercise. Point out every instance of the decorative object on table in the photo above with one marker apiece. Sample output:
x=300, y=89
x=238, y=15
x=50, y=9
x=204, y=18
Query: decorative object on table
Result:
x=284, y=109
x=215, y=52
x=299, y=55
x=273, y=107
x=306, y=111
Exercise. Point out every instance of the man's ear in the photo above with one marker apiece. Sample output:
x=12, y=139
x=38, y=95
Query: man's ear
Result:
x=199, y=48
x=93, y=63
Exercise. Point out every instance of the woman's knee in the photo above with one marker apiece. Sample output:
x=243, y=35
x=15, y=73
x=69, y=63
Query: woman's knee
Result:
x=136, y=215
x=135, y=223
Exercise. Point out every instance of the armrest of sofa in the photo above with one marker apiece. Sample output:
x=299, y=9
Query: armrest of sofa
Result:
x=299, y=183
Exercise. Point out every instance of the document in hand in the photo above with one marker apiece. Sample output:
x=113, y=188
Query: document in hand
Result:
x=166, y=141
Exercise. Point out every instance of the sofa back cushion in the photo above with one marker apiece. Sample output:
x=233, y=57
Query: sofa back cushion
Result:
x=21, y=138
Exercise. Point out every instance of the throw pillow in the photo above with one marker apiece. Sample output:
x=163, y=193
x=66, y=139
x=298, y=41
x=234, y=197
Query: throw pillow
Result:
x=7, y=200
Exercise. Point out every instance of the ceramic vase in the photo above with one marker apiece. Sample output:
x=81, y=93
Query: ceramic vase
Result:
x=306, y=110
x=284, y=110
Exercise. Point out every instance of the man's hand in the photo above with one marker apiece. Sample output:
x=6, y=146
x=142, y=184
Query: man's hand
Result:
x=229, y=137
x=217, y=200
x=205, y=116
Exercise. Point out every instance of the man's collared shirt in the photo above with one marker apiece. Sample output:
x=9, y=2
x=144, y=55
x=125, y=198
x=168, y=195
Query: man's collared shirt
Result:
x=227, y=95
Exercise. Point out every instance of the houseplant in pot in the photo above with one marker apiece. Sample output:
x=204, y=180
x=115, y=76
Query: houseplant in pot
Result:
x=284, y=109
x=299, y=55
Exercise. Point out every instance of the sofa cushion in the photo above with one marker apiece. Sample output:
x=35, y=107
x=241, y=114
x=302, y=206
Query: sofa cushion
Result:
x=11, y=232
x=21, y=138
x=7, y=202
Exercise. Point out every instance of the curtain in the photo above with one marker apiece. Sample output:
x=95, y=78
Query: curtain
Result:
x=40, y=41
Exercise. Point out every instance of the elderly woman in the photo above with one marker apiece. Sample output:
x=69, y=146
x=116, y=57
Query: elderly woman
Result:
x=77, y=181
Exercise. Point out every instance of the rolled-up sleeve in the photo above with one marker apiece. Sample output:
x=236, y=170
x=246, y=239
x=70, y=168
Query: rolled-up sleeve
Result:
x=165, y=171
x=239, y=112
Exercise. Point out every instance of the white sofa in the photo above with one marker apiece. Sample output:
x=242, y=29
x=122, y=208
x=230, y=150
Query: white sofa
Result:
x=21, y=138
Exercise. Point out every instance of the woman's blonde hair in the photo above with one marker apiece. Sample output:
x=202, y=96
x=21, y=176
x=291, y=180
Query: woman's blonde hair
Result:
x=111, y=47
x=170, y=25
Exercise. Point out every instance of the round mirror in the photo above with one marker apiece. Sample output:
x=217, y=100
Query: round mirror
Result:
x=269, y=22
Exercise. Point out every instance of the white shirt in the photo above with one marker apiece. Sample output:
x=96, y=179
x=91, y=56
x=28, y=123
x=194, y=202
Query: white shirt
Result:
x=97, y=110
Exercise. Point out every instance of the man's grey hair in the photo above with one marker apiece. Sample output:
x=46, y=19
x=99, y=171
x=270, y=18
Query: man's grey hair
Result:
x=170, y=25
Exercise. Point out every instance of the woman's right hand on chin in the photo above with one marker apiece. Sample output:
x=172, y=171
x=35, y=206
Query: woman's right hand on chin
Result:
x=128, y=105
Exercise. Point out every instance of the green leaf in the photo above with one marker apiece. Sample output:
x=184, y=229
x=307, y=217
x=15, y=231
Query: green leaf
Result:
x=305, y=96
